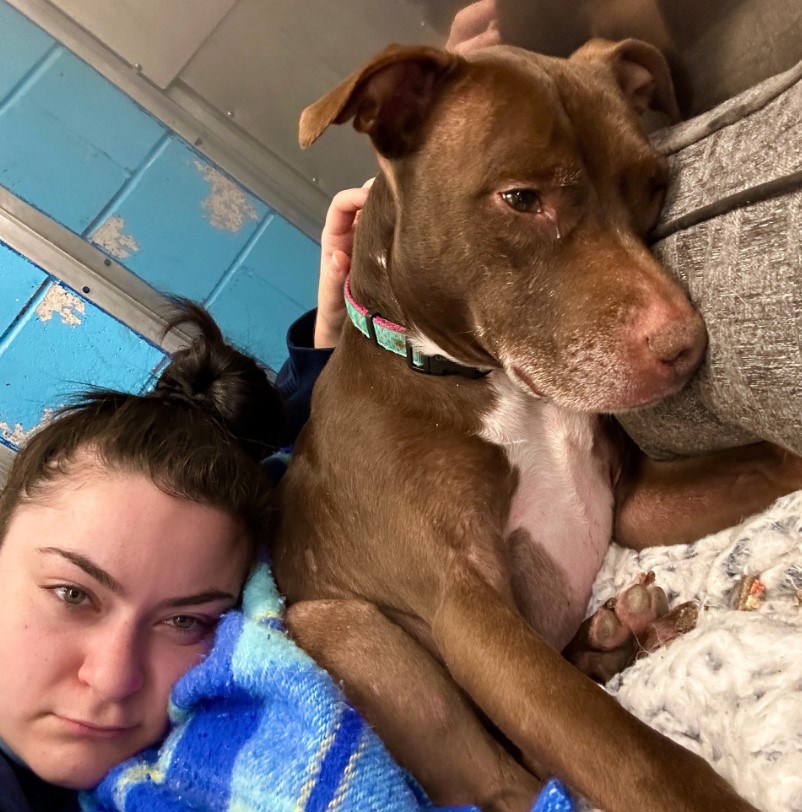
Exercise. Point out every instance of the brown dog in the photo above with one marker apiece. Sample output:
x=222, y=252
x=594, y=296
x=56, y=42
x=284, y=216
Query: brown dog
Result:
x=442, y=531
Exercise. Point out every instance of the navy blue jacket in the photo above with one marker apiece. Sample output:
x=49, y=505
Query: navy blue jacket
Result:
x=22, y=791
x=299, y=373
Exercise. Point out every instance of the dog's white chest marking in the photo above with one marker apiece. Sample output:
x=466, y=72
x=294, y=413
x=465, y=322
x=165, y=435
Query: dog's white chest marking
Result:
x=564, y=498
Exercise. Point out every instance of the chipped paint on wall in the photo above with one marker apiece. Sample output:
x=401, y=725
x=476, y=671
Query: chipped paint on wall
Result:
x=111, y=238
x=19, y=434
x=226, y=206
x=15, y=436
x=59, y=301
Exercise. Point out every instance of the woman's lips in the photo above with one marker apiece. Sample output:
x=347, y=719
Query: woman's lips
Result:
x=87, y=730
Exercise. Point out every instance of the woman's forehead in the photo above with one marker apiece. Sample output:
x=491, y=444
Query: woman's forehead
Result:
x=131, y=528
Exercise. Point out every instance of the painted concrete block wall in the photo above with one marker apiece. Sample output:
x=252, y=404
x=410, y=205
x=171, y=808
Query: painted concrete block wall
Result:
x=80, y=151
x=55, y=344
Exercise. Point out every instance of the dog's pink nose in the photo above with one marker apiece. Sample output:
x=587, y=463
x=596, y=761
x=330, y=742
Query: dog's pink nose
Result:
x=679, y=342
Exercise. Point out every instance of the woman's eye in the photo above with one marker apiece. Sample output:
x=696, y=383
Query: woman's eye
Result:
x=192, y=628
x=523, y=200
x=71, y=595
x=184, y=623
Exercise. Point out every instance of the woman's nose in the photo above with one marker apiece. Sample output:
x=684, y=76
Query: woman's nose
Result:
x=114, y=662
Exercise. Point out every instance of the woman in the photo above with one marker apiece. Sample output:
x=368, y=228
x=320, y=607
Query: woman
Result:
x=128, y=526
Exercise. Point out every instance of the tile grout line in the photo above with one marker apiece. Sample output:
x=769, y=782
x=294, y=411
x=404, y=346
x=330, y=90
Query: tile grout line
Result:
x=13, y=329
x=122, y=193
x=32, y=76
x=239, y=259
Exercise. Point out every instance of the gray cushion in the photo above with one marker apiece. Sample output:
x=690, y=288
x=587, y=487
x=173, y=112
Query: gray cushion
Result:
x=742, y=268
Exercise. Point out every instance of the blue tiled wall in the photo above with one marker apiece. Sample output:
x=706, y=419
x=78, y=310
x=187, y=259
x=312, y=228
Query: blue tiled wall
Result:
x=70, y=139
x=21, y=280
x=54, y=344
x=79, y=150
x=189, y=221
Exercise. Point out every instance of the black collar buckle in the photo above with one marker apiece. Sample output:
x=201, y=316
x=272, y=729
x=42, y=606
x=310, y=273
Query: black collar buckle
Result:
x=440, y=366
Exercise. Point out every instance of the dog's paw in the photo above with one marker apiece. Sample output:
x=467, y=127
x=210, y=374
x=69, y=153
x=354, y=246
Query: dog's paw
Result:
x=633, y=623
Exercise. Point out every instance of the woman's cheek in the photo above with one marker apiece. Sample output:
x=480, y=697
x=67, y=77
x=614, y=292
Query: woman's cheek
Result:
x=175, y=660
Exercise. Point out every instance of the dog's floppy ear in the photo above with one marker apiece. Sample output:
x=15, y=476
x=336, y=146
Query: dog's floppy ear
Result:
x=387, y=98
x=640, y=69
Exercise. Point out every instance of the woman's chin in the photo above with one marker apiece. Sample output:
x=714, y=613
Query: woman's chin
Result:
x=79, y=769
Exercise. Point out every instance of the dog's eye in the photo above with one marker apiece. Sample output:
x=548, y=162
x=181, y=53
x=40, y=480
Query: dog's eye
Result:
x=523, y=200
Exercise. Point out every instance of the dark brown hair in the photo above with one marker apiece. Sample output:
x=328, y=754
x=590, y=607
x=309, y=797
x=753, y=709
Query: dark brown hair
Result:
x=199, y=435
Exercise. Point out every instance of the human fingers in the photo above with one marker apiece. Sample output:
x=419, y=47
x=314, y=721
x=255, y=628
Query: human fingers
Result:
x=474, y=26
x=330, y=303
x=338, y=227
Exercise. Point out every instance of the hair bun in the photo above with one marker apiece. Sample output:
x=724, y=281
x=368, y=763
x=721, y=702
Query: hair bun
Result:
x=213, y=376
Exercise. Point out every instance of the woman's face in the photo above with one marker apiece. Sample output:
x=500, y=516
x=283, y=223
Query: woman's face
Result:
x=111, y=591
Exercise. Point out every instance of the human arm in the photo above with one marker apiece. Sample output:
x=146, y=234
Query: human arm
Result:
x=312, y=338
x=336, y=246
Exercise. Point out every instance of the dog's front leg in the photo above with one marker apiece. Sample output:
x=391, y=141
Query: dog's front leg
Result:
x=426, y=722
x=557, y=716
x=678, y=501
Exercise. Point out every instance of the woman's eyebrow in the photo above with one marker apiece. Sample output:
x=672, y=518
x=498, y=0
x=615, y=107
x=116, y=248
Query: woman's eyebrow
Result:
x=88, y=566
x=112, y=584
x=202, y=597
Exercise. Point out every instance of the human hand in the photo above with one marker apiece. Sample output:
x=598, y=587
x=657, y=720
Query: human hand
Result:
x=474, y=27
x=336, y=245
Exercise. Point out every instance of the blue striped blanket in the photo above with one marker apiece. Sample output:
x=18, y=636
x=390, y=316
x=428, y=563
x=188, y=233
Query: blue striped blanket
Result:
x=258, y=727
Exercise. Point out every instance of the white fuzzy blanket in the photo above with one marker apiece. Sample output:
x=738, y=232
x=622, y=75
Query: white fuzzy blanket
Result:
x=730, y=690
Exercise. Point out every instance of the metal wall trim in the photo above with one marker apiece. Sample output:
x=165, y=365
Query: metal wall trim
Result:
x=6, y=459
x=161, y=37
x=87, y=270
x=293, y=196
